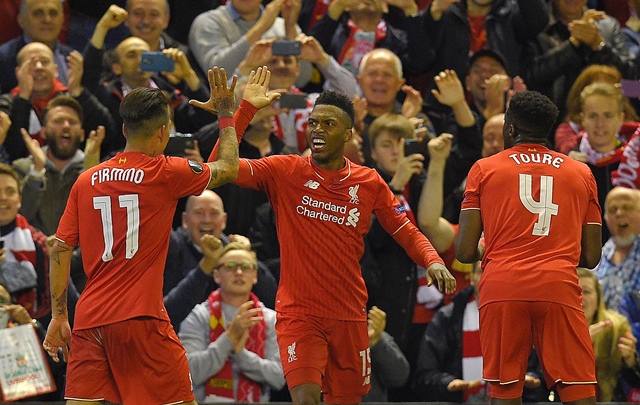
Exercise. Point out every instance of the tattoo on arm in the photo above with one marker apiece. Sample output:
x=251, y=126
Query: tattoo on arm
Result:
x=60, y=302
x=55, y=255
x=227, y=156
x=225, y=106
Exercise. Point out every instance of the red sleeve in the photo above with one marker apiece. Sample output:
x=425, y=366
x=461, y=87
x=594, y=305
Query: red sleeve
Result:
x=68, y=228
x=417, y=246
x=594, y=213
x=241, y=119
x=472, y=189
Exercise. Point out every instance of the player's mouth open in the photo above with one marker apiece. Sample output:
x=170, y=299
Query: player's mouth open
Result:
x=318, y=144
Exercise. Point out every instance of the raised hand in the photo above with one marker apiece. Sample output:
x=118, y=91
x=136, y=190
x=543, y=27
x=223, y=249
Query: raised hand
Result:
x=75, y=62
x=312, y=51
x=5, y=124
x=440, y=147
x=33, y=146
x=94, y=141
x=113, y=17
x=290, y=12
x=257, y=86
x=438, y=7
x=518, y=87
x=222, y=100
x=242, y=240
x=412, y=105
x=409, y=7
x=449, y=88
x=92, y=147
x=407, y=166
x=24, y=74
x=361, y=111
x=495, y=88
x=182, y=69
x=259, y=54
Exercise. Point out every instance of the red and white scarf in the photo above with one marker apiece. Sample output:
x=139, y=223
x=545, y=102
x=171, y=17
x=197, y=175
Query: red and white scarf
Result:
x=600, y=159
x=471, y=353
x=20, y=247
x=221, y=384
x=628, y=173
x=358, y=44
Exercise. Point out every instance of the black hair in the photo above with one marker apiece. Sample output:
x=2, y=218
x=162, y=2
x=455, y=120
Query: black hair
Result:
x=330, y=97
x=144, y=110
x=532, y=114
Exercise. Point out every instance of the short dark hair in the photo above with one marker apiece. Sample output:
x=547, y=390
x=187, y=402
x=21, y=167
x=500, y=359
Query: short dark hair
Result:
x=532, y=114
x=143, y=110
x=63, y=100
x=330, y=97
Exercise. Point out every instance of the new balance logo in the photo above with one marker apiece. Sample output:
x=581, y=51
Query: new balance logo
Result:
x=292, y=352
x=313, y=185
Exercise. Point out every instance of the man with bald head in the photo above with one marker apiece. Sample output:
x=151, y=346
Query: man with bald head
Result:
x=204, y=221
x=181, y=85
x=38, y=82
x=41, y=21
x=619, y=267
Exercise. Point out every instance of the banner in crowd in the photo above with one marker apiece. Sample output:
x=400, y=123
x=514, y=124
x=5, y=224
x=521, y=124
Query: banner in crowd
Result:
x=24, y=371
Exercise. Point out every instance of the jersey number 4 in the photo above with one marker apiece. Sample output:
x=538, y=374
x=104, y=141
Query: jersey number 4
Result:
x=128, y=202
x=545, y=208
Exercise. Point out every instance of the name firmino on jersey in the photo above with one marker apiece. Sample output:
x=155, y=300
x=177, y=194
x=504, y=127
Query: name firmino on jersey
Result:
x=131, y=175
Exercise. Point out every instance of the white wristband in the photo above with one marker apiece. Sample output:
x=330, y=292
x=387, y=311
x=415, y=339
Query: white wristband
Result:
x=38, y=175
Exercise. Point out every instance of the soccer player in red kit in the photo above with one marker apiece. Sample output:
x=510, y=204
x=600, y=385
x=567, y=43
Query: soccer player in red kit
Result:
x=541, y=219
x=123, y=348
x=323, y=205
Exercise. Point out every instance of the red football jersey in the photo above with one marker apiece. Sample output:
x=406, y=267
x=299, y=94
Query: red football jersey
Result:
x=533, y=202
x=120, y=212
x=322, y=217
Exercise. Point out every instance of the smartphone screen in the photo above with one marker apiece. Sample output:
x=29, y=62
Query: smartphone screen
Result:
x=178, y=143
x=412, y=146
x=284, y=47
x=293, y=101
x=156, y=62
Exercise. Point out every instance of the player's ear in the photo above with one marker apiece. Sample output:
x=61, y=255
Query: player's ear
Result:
x=348, y=135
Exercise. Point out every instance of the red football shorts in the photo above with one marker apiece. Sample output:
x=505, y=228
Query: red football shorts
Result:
x=331, y=353
x=137, y=361
x=560, y=334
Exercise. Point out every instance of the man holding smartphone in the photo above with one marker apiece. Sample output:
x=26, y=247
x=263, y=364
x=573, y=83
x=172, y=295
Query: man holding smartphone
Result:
x=181, y=84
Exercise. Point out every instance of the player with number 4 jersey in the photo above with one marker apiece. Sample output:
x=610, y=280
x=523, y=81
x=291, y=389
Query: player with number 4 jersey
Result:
x=541, y=219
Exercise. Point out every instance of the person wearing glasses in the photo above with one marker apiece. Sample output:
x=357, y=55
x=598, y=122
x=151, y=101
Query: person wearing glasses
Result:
x=230, y=338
